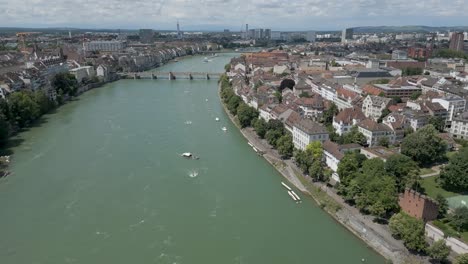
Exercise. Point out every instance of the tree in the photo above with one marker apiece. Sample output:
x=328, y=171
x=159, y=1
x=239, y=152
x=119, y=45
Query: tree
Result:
x=443, y=206
x=385, y=113
x=410, y=230
x=403, y=169
x=287, y=83
x=23, y=108
x=354, y=136
x=272, y=137
x=43, y=101
x=437, y=122
x=274, y=124
x=246, y=114
x=261, y=127
x=315, y=148
x=4, y=129
x=227, y=67
x=304, y=94
x=349, y=165
x=462, y=259
x=424, y=146
x=383, y=141
x=330, y=113
x=279, y=96
x=304, y=159
x=285, y=146
x=233, y=103
x=65, y=82
x=415, y=95
x=454, y=176
x=459, y=219
x=412, y=71
x=439, y=251
x=316, y=170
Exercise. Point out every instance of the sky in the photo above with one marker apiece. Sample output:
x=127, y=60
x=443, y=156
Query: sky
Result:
x=231, y=14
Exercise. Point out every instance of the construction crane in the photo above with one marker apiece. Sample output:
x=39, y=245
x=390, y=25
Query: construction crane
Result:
x=22, y=39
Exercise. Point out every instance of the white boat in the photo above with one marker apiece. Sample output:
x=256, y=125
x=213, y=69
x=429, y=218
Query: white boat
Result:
x=217, y=119
x=187, y=155
x=206, y=100
x=205, y=59
x=295, y=195
x=256, y=150
x=286, y=186
x=292, y=196
x=250, y=144
x=224, y=129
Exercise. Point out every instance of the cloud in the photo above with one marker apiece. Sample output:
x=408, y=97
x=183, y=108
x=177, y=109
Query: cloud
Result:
x=275, y=14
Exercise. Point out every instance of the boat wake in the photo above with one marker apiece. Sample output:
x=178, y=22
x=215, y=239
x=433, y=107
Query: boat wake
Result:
x=193, y=173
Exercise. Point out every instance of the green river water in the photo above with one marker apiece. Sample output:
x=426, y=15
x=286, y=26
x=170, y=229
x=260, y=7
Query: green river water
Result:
x=102, y=181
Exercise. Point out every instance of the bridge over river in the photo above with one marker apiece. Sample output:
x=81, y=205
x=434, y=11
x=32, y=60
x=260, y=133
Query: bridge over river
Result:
x=171, y=75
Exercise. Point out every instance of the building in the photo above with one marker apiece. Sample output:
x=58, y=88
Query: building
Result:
x=110, y=46
x=347, y=34
x=453, y=104
x=333, y=153
x=378, y=152
x=402, y=91
x=310, y=36
x=459, y=126
x=306, y=131
x=346, y=119
x=267, y=33
x=419, y=53
x=418, y=205
x=146, y=35
x=373, y=106
x=399, y=55
x=81, y=73
x=456, y=41
x=374, y=132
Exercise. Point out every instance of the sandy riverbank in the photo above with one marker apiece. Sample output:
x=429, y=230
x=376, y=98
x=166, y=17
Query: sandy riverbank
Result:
x=376, y=236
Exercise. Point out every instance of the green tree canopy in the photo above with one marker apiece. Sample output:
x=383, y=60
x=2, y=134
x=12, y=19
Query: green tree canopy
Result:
x=424, y=146
x=261, y=127
x=246, y=114
x=330, y=113
x=285, y=146
x=65, y=83
x=23, y=108
x=439, y=251
x=233, y=103
x=459, y=219
x=443, y=206
x=461, y=259
x=403, y=169
x=410, y=230
x=454, y=176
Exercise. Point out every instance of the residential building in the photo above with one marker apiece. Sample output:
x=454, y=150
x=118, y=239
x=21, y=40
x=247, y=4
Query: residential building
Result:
x=453, y=104
x=459, y=126
x=419, y=53
x=373, y=106
x=109, y=46
x=399, y=55
x=81, y=73
x=345, y=98
x=311, y=107
x=457, y=41
x=333, y=153
x=346, y=35
x=398, y=123
x=346, y=119
x=374, y=132
x=418, y=205
x=378, y=152
x=306, y=131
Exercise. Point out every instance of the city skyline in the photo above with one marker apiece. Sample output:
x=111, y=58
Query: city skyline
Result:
x=230, y=14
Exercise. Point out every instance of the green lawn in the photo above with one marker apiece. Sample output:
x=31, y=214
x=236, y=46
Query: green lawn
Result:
x=450, y=154
x=433, y=188
x=449, y=231
x=424, y=171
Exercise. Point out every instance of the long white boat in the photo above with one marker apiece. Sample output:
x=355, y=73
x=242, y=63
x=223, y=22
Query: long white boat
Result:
x=250, y=144
x=295, y=195
x=286, y=186
x=292, y=196
x=256, y=150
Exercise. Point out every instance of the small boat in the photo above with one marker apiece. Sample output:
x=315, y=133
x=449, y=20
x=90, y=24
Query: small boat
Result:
x=224, y=129
x=189, y=155
x=176, y=60
x=217, y=119
x=292, y=196
x=206, y=100
x=205, y=59
x=295, y=195
x=286, y=186
x=256, y=150
x=250, y=144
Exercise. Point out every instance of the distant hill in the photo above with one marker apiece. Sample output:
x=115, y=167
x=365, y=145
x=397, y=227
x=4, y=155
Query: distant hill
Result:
x=393, y=29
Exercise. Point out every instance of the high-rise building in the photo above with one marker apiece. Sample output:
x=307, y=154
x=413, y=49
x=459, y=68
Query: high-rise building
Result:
x=146, y=35
x=267, y=33
x=247, y=31
x=347, y=34
x=179, y=33
x=310, y=36
x=456, y=41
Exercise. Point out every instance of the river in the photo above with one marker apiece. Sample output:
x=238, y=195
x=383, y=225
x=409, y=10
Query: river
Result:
x=101, y=180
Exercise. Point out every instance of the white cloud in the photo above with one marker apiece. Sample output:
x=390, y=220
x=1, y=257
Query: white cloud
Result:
x=275, y=14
